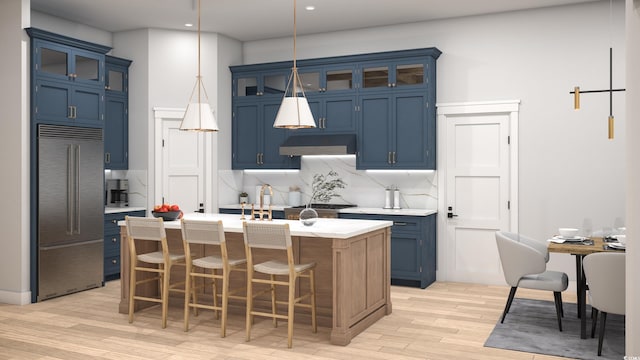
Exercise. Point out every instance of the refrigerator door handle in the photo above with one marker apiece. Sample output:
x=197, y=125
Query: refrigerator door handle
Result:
x=62, y=246
x=70, y=203
x=76, y=188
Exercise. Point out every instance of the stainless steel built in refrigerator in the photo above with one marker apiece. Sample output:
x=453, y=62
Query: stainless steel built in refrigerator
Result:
x=70, y=210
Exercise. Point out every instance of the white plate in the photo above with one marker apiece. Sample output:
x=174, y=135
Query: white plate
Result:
x=616, y=245
x=574, y=238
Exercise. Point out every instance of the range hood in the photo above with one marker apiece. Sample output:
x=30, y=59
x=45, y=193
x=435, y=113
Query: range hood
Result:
x=342, y=144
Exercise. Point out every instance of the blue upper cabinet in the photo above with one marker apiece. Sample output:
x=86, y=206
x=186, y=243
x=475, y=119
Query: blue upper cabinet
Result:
x=255, y=142
x=63, y=62
x=116, y=133
x=116, y=124
x=397, y=131
x=68, y=79
x=60, y=102
x=397, y=113
x=387, y=99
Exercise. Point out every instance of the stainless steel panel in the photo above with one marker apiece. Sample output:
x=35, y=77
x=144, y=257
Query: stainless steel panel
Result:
x=70, y=188
x=65, y=269
x=70, y=209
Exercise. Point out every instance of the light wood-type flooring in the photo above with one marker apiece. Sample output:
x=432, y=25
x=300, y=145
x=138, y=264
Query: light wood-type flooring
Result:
x=444, y=321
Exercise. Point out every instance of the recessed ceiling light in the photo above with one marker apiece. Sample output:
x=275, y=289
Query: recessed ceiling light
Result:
x=310, y=7
x=188, y=24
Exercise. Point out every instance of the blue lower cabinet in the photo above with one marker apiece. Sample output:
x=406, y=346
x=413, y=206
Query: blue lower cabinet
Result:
x=112, y=242
x=413, y=248
x=276, y=214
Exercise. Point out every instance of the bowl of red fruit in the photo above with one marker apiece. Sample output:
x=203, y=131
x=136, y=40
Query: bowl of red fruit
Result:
x=167, y=212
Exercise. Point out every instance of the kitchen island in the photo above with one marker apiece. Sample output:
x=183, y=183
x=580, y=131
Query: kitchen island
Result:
x=352, y=275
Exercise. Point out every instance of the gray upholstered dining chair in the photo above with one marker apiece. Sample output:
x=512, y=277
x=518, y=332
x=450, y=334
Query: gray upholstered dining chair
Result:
x=524, y=265
x=605, y=274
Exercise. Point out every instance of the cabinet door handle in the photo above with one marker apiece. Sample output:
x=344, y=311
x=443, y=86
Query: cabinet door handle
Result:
x=258, y=158
x=114, y=240
x=114, y=221
x=396, y=223
x=114, y=261
x=107, y=158
x=389, y=85
x=70, y=112
x=389, y=157
x=394, y=157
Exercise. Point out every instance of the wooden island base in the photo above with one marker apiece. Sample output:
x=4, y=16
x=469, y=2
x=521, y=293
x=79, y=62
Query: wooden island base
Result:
x=352, y=277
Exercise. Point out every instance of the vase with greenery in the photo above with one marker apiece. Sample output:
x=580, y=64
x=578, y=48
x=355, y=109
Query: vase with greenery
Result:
x=323, y=189
x=244, y=198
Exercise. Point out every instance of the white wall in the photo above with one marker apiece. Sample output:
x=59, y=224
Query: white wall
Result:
x=68, y=28
x=633, y=177
x=14, y=152
x=134, y=45
x=163, y=74
x=570, y=174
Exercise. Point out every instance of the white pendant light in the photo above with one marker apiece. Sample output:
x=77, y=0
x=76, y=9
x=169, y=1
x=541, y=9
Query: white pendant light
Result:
x=199, y=116
x=294, y=113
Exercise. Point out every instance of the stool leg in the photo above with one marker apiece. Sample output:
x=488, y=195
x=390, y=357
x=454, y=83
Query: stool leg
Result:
x=215, y=294
x=132, y=288
x=290, y=307
x=165, y=294
x=225, y=302
x=273, y=300
x=187, y=296
x=249, y=319
x=312, y=281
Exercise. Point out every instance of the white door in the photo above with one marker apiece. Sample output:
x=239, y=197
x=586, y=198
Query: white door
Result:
x=479, y=195
x=180, y=158
x=182, y=166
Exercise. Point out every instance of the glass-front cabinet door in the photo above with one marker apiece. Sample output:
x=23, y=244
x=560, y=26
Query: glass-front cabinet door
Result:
x=54, y=62
x=261, y=84
x=327, y=79
x=399, y=74
x=115, y=80
x=66, y=63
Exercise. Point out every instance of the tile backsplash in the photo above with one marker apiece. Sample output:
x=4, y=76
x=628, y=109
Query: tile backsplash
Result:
x=418, y=189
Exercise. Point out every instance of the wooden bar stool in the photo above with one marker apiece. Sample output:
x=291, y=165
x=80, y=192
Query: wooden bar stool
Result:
x=277, y=237
x=150, y=229
x=208, y=233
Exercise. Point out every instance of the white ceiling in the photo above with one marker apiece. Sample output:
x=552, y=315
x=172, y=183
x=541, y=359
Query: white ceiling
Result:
x=247, y=20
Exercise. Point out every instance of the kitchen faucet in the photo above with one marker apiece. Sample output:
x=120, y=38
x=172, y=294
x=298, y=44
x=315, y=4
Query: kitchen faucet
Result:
x=261, y=211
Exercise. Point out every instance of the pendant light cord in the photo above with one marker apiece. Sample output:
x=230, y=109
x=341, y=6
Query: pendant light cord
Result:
x=295, y=68
x=199, y=76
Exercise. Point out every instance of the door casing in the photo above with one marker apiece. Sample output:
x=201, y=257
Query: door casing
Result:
x=446, y=112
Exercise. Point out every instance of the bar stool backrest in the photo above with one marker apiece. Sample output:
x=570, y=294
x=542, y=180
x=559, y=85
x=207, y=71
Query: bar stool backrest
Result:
x=142, y=228
x=267, y=235
x=203, y=232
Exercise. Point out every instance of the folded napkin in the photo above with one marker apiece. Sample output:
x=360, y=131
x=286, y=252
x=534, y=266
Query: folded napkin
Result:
x=557, y=239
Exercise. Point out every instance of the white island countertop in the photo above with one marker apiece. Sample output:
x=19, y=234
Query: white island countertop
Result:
x=324, y=228
x=114, y=210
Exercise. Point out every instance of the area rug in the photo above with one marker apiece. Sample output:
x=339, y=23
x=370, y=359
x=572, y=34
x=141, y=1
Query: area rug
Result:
x=531, y=326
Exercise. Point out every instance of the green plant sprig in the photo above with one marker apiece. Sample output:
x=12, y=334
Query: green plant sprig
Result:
x=324, y=187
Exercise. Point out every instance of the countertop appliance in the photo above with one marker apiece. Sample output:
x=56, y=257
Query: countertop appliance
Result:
x=70, y=210
x=323, y=210
x=117, y=193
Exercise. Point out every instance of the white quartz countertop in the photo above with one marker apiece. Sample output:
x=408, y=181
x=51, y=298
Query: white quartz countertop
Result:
x=325, y=228
x=248, y=207
x=381, y=211
x=114, y=210
x=355, y=210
